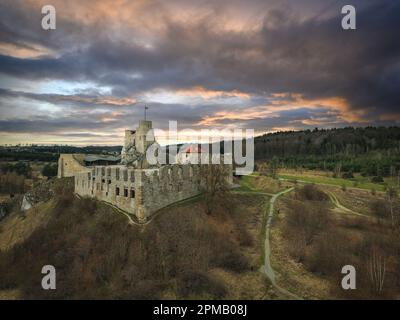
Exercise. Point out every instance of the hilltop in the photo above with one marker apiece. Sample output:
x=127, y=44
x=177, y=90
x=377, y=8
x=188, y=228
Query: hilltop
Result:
x=182, y=253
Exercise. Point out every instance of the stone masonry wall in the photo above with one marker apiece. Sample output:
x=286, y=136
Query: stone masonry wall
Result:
x=141, y=191
x=70, y=164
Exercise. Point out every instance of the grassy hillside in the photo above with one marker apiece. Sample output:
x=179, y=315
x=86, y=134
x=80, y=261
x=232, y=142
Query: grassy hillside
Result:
x=182, y=253
x=320, y=177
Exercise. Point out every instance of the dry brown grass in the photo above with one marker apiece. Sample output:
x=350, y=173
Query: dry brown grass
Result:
x=268, y=184
x=182, y=253
x=342, y=240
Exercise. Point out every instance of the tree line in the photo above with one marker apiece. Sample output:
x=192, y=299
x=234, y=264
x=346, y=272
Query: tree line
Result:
x=371, y=151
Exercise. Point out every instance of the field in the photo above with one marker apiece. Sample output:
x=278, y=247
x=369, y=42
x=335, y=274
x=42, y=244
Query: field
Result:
x=347, y=234
x=325, y=178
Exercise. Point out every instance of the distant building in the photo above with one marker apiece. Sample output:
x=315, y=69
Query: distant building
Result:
x=190, y=154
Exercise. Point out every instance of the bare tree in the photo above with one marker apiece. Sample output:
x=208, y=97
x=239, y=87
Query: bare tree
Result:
x=263, y=169
x=273, y=167
x=337, y=170
x=377, y=269
x=216, y=185
x=391, y=195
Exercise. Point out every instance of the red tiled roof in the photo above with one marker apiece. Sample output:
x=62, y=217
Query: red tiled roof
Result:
x=192, y=149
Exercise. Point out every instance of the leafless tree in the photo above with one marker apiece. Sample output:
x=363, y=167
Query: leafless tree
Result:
x=263, y=169
x=215, y=186
x=391, y=195
x=377, y=269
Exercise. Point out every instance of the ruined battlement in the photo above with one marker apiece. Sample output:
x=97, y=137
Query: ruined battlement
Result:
x=131, y=186
x=141, y=192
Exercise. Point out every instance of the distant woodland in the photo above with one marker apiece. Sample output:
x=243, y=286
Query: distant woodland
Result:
x=370, y=151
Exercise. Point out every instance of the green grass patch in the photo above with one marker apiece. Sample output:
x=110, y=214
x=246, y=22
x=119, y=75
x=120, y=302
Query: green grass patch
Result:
x=246, y=184
x=358, y=182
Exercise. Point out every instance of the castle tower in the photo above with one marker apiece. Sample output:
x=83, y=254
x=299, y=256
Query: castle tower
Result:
x=129, y=138
x=144, y=135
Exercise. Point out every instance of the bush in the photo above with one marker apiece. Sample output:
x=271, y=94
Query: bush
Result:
x=347, y=175
x=310, y=193
x=12, y=183
x=50, y=170
x=380, y=208
x=329, y=253
x=307, y=219
x=22, y=168
x=377, y=179
x=194, y=284
x=230, y=259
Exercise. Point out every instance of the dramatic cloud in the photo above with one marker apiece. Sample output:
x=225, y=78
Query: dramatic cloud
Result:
x=261, y=64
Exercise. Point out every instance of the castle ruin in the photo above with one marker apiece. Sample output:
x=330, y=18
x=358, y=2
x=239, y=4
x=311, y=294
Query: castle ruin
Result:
x=132, y=184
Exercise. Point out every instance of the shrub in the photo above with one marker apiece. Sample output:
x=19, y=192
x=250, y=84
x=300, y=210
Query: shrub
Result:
x=311, y=193
x=377, y=179
x=12, y=183
x=307, y=219
x=347, y=175
x=380, y=208
x=50, y=170
x=329, y=253
x=193, y=284
x=230, y=259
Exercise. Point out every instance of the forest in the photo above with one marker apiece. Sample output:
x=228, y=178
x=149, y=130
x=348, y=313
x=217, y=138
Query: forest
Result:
x=371, y=151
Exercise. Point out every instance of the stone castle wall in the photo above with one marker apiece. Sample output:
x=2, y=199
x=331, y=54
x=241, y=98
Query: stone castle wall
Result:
x=132, y=186
x=70, y=164
x=142, y=191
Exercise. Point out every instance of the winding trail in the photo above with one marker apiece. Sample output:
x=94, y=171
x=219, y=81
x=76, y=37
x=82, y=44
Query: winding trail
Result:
x=267, y=268
x=334, y=199
x=344, y=209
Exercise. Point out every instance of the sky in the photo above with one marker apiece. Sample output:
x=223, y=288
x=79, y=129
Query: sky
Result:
x=252, y=64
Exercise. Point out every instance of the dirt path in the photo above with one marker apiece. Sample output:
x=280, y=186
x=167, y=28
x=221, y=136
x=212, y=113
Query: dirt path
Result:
x=267, y=268
x=255, y=192
x=344, y=209
x=334, y=199
x=325, y=184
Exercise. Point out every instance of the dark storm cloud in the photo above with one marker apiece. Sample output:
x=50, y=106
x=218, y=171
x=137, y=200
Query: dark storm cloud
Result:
x=47, y=125
x=320, y=59
x=75, y=100
x=299, y=47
